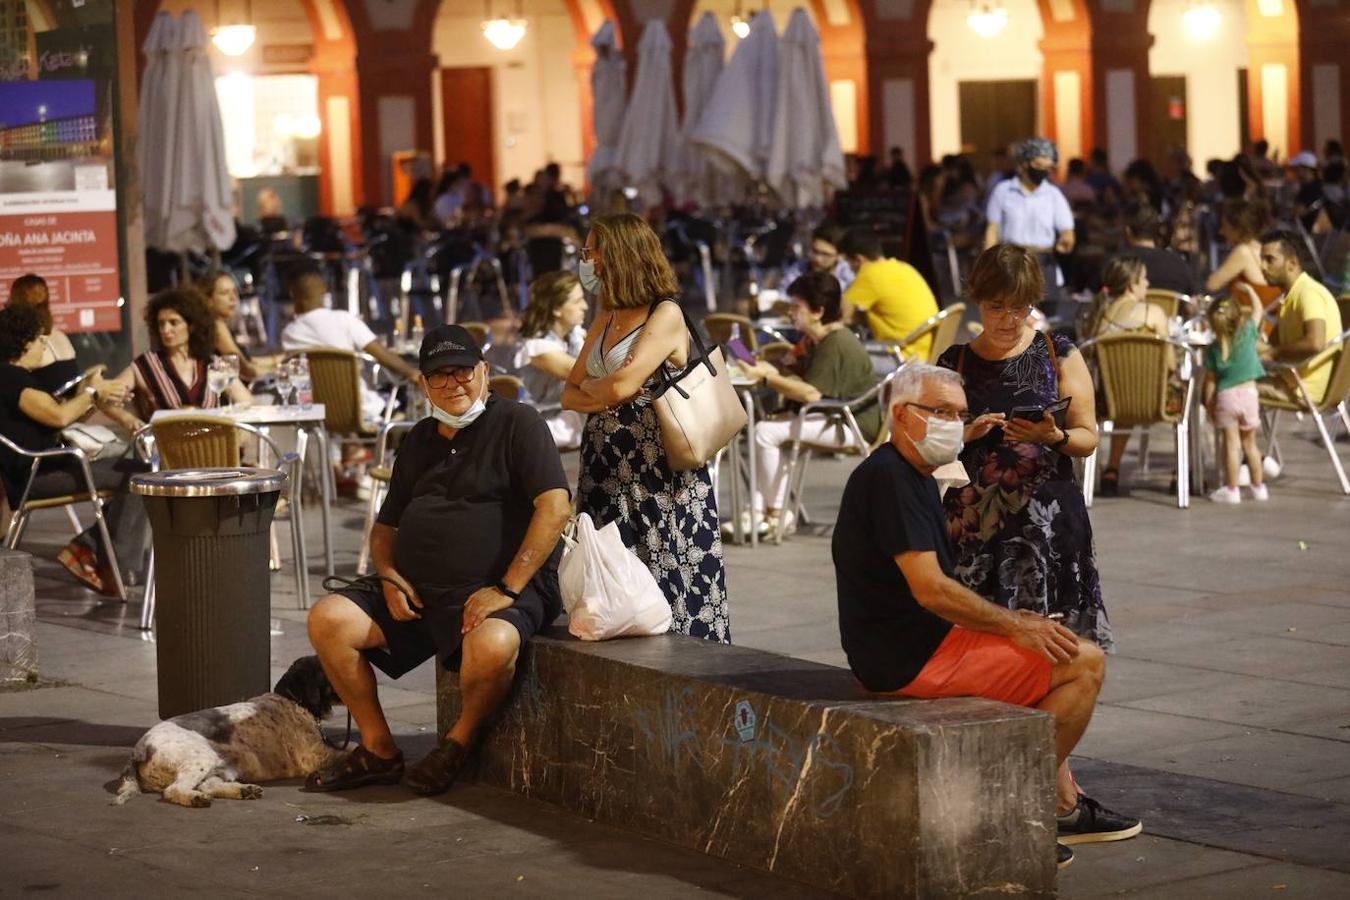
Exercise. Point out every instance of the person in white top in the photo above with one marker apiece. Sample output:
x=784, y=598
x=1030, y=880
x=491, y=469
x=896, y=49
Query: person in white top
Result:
x=553, y=334
x=317, y=326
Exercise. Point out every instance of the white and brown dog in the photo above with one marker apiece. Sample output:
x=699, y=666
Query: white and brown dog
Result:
x=222, y=752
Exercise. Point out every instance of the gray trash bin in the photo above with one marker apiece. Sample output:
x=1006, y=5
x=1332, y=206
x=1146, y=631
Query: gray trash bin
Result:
x=212, y=585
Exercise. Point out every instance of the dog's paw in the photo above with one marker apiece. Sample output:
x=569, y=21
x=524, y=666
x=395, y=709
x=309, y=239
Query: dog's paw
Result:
x=199, y=801
x=250, y=792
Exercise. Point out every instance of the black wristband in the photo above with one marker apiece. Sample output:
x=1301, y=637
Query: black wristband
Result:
x=1062, y=441
x=501, y=587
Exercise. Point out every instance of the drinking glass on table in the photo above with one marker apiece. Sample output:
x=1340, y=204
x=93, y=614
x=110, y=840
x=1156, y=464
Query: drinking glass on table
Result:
x=217, y=380
x=300, y=378
x=283, y=383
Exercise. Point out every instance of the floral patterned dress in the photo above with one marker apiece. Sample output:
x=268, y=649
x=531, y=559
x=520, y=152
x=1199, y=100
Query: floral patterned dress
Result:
x=668, y=518
x=1020, y=528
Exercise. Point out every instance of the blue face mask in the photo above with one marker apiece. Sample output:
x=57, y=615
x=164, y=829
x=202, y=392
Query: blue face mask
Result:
x=590, y=281
x=465, y=419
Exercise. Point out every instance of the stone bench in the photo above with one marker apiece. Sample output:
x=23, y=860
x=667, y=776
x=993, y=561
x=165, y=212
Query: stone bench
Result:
x=18, y=618
x=780, y=764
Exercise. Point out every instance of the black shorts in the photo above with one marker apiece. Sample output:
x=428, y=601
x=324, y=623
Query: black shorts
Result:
x=409, y=644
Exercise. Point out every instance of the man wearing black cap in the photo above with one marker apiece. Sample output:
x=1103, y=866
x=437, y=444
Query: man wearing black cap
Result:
x=466, y=554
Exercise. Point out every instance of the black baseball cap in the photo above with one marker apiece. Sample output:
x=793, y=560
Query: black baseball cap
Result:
x=448, y=346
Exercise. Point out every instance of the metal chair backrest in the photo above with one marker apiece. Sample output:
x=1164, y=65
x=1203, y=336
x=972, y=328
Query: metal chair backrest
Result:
x=196, y=442
x=949, y=323
x=336, y=379
x=719, y=327
x=507, y=387
x=1133, y=371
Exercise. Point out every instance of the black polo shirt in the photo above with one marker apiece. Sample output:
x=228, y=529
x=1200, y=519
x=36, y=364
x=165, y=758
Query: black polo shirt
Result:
x=462, y=506
x=889, y=508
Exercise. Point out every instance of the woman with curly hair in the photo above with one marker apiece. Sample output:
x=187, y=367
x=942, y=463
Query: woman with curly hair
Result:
x=173, y=374
x=1020, y=528
x=668, y=518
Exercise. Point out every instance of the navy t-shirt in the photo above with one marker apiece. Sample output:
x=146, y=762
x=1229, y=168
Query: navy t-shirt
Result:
x=889, y=508
x=462, y=506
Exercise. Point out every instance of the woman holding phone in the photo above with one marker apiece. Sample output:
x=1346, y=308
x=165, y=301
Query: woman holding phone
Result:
x=1020, y=528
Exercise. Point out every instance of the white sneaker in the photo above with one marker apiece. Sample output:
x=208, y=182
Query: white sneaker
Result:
x=1260, y=492
x=789, y=522
x=1271, y=466
x=729, y=529
x=1226, y=495
x=1244, y=475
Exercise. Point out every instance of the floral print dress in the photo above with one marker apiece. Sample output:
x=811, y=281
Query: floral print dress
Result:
x=668, y=518
x=1020, y=528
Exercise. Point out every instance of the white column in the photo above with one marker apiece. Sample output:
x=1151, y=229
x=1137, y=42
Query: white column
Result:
x=1275, y=107
x=1068, y=115
x=899, y=122
x=1326, y=91
x=1121, y=132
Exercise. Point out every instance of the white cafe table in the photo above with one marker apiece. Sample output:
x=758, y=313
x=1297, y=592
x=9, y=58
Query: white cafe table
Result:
x=308, y=419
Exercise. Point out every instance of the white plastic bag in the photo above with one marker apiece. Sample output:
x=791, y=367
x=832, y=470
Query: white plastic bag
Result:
x=606, y=589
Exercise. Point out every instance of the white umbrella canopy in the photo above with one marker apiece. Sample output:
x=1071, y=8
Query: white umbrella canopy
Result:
x=736, y=127
x=703, y=60
x=158, y=106
x=609, y=86
x=200, y=208
x=805, y=158
x=650, y=127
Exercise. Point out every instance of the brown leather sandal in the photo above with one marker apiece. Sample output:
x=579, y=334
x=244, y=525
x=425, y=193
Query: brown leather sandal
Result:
x=435, y=772
x=357, y=769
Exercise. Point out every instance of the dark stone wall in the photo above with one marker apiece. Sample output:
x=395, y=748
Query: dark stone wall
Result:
x=781, y=764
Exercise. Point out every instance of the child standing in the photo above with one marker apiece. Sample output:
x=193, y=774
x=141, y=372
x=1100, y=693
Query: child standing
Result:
x=1231, y=369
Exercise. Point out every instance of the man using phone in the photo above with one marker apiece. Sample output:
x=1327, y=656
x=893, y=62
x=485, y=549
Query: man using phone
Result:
x=908, y=626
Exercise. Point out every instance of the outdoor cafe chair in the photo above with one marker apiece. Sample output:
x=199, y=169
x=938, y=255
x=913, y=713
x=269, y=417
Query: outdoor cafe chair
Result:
x=507, y=387
x=1133, y=372
x=721, y=326
x=844, y=412
x=380, y=474
x=481, y=333
x=213, y=442
x=1300, y=401
x=1173, y=303
x=943, y=327
x=25, y=507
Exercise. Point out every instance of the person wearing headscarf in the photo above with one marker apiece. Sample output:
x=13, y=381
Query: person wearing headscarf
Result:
x=1030, y=211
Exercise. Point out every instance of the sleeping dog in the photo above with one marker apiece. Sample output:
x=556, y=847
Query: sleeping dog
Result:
x=196, y=757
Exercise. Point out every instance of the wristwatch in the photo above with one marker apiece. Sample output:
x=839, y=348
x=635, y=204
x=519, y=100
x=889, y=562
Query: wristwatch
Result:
x=503, y=589
x=1062, y=441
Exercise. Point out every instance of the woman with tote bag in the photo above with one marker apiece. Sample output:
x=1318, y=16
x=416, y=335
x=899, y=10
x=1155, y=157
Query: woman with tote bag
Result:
x=638, y=343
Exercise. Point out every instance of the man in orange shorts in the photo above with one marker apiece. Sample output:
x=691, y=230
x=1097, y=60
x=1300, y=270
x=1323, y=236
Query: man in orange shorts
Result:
x=907, y=625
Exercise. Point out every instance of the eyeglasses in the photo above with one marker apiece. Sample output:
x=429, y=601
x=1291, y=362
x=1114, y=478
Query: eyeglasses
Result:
x=945, y=413
x=441, y=377
x=1017, y=312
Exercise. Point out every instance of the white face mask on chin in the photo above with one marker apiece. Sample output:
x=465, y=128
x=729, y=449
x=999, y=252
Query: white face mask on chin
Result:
x=943, y=442
x=465, y=419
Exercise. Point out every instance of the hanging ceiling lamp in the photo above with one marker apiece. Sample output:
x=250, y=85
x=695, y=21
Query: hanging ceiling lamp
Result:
x=235, y=39
x=504, y=33
x=740, y=22
x=1201, y=20
x=987, y=17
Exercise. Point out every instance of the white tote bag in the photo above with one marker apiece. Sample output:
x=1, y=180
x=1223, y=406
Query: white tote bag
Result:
x=606, y=589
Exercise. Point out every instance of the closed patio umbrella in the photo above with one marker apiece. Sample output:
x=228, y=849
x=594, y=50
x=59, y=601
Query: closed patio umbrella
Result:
x=158, y=105
x=609, y=87
x=804, y=159
x=650, y=127
x=200, y=209
x=703, y=61
x=736, y=127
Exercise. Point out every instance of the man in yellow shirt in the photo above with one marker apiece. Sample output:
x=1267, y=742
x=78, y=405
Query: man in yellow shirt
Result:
x=1308, y=318
x=891, y=292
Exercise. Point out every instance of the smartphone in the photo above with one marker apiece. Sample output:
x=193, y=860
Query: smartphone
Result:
x=738, y=349
x=1058, y=409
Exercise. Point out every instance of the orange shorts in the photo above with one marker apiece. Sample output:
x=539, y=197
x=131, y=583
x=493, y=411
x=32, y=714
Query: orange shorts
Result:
x=976, y=664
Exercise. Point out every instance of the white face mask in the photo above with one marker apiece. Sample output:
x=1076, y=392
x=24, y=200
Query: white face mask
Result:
x=586, y=275
x=943, y=442
x=465, y=419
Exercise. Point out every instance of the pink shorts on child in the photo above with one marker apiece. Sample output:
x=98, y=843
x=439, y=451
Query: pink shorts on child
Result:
x=1238, y=406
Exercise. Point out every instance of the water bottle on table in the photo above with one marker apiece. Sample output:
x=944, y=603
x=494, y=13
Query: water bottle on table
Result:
x=304, y=389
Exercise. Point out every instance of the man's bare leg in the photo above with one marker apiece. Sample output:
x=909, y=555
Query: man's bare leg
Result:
x=339, y=631
x=485, y=674
x=1073, y=696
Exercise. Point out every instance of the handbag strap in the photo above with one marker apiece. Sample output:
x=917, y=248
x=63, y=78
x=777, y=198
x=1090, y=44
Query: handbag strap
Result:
x=694, y=360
